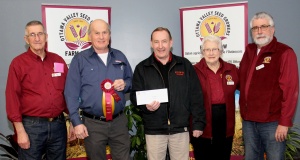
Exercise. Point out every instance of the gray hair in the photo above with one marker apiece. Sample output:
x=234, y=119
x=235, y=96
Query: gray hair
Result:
x=263, y=15
x=212, y=38
x=34, y=23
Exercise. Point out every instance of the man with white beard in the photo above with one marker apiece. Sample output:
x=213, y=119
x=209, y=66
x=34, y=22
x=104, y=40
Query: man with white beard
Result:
x=268, y=91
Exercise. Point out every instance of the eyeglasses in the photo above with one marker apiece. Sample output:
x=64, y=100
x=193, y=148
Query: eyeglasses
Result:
x=208, y=50
x=33, y=35
x=262, y=28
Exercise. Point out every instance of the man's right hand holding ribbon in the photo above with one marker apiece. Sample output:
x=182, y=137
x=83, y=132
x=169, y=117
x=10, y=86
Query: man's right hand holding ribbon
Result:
x=119, y=85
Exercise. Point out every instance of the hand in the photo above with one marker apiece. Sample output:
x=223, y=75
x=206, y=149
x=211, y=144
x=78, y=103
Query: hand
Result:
x=22, y=136
x=281, y=133
x=71, y=135
x=81, y=131
x=197, y=133
x=23, y=140
x=153, y=106
x=119, y=85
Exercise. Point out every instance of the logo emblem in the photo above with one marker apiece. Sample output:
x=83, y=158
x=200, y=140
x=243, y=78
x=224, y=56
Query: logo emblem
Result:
x=76, y=34
x=228, y=78
x=212, y=23
x=73, y=32
x=267, y=60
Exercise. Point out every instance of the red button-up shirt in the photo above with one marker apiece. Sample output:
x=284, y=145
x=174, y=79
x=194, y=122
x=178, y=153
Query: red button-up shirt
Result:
x=33, y=88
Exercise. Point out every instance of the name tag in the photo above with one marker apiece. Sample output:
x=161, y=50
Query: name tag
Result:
x=230, y=83
x=58, y=67
x=260, y=67
x=56, y=74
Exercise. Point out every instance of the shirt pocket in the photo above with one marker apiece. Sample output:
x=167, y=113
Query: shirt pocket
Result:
x=59, y=82
x=89, y=75
x=118, y=69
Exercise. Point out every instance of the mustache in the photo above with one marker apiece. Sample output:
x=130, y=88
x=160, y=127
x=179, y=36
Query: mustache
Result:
x=260, y=36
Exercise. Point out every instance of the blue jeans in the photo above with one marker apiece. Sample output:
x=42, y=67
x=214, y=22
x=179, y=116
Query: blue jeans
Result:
x=259, y=138
x=49, y=138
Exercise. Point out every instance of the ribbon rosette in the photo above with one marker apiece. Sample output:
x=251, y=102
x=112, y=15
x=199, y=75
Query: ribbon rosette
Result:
x=106, y=86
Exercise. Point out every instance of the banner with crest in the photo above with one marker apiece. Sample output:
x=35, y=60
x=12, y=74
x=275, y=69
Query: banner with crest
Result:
x=67, y=27
x=228, y=21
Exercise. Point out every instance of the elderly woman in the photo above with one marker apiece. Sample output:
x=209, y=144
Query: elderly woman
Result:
x=219, y=81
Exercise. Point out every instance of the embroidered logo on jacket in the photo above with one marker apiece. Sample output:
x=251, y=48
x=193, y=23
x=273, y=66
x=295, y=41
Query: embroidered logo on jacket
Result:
x=267, y=60
x=179, y=73
x=229, y=80
x=120, y=62
x=228, y=77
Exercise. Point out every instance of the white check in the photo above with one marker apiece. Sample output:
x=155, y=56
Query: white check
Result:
x=148, y=96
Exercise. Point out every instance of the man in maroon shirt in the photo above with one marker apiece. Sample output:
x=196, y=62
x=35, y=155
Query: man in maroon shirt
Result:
x=34, y=98
x=269, y=87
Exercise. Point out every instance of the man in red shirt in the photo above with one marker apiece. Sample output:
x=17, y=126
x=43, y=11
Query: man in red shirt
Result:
x=269, y=87
x=34, y=98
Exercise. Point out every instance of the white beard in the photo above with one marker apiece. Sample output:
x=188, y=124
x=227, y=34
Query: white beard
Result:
x=262, y=40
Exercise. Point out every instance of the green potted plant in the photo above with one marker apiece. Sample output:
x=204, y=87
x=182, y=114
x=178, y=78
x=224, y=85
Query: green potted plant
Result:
x=292, y=143
x=136, y=130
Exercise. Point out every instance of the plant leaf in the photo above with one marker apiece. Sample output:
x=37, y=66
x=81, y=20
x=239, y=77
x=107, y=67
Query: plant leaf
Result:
x=138, y=141
x=291, y=147
x=288, y=154
x=130, y=123
x=133, y=142
x=136, y=117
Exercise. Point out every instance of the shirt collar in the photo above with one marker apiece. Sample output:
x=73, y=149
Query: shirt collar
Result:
x=170, y=58
x=92, y=51
x=35, y=56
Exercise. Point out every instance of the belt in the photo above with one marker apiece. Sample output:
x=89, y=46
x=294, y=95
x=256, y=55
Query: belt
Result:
x=61, y=116
x=101, y=118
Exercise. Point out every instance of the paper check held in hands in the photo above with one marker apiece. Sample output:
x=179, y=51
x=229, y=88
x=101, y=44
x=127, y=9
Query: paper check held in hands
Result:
x=148, y=96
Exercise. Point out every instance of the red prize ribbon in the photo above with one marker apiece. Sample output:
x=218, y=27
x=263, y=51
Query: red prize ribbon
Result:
x=106, y=86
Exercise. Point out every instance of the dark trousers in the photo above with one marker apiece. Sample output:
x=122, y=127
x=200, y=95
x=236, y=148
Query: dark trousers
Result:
x=219, y=146
x=114, y=133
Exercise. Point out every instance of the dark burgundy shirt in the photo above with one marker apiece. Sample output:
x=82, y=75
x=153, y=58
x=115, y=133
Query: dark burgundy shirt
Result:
x=215, y=81
x=33, y=88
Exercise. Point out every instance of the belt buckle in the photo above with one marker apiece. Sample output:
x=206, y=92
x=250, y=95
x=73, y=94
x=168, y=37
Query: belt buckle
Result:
x=50, y=119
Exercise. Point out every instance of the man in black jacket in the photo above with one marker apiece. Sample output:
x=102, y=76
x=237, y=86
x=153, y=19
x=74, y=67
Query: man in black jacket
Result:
x=167, y=124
